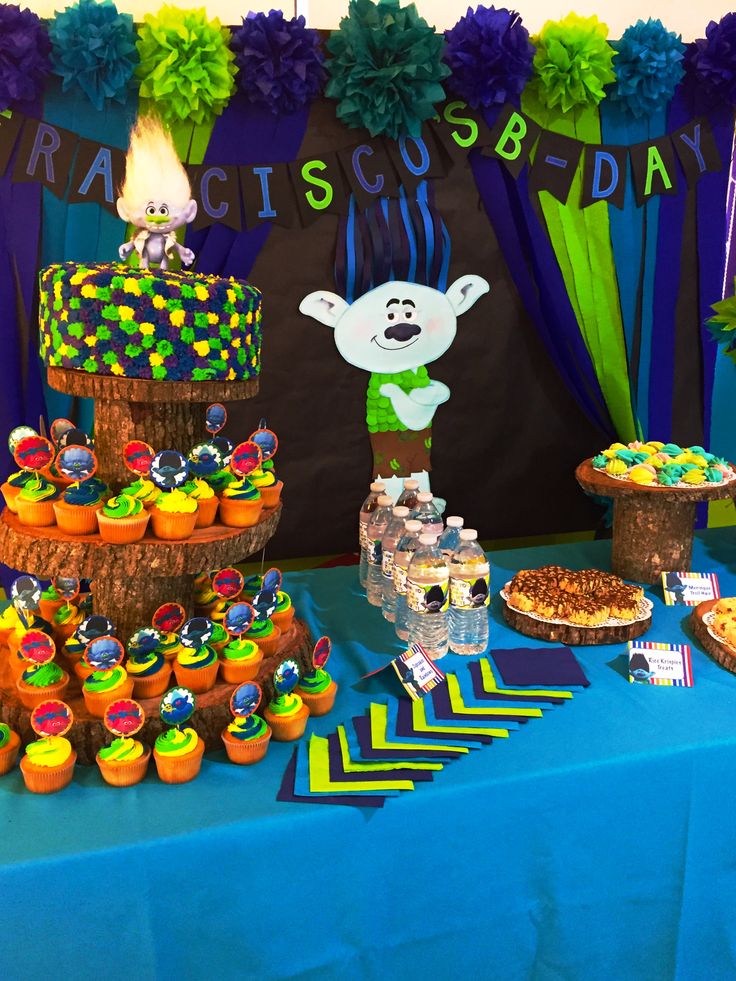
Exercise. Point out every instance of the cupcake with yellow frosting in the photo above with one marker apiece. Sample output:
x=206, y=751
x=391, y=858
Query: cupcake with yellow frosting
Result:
x=9, y=747
x=39, y=682
x=268, y=484
x=125, y=761
x=66, y=620
x=283, y=616
x=178, y=755
x=219, y=480
x=150, y=674
x=266, y=634
x=240, y=660
x=48, y=764
x=170, y=646
x=286, y=713
x=207, y=501
x=9, y=621
x=13, y=486
x=196, y=668
x=247, y=737
x=142, y=490
x=241, y=504
x=122, y=520
x=174, y=515
x=76, y=510
x=35, y=502
x=105, y=686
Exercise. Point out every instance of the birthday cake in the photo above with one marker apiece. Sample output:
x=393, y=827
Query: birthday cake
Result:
x=111, y=319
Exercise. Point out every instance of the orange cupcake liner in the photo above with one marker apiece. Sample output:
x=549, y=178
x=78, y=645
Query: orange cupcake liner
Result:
x=9, y=753
x=236, y=672
x=172, y=527
x=245, y=751
x=179, y=769
x=207, y=511
x=63, y=631
x=17, y=666
x=97, y=701
x=198, y=680
x=47, y=779
x=287, y=730
x=319, y=703
x=10, y=493
x=124, y=773
x=36, y=514
x=240, y=514
x=154, y=684
x=48, y=608
x=76, y=520
x=82, y=670
x=283, y=620
x=122, y=531
x=271, y=495
x=31, y=697
x=269, y=645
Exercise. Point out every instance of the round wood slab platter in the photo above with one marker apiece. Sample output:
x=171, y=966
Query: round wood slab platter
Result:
x=596, y=482
x=569, y=633
x=211, y=715
x=718, y=651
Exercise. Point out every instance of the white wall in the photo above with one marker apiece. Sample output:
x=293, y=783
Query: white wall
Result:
x=687, y=18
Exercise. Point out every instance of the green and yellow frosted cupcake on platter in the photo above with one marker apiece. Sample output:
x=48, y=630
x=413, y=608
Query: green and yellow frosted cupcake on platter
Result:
x=9, y=748
x=33, y=502
x=109, y=680
x=206, y=460
x=125, y=761
x=247, y=737
x=41, y=678
x=48, y=764
x=241, y=502
x=316, y=688
x=76, y=509
x=137, y=457
x=264, y=477
x=174, y=513
x=178, y=751
x=286, y=713
x=196, y=666
x=263, y=630
x=122, y=520
x=240, y=658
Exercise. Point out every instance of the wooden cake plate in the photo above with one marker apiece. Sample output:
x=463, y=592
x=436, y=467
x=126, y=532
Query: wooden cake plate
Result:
x=719, y=651
x=571, y=633
x=652, y=525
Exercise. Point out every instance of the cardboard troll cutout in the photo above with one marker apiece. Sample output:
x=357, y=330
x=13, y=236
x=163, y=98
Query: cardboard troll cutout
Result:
x=394, y=331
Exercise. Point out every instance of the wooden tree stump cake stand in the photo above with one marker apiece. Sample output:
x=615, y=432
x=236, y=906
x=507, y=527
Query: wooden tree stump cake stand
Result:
x=719, y=651
x=652, y=525
x=570, y=633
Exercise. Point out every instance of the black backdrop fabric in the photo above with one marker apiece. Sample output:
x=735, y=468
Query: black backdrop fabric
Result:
x=506, y=444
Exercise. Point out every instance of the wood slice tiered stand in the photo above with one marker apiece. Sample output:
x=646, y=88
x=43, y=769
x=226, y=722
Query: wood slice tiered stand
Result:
x=130, y=581
x=652, y=525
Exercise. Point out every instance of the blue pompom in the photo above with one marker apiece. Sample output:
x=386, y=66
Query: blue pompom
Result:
x=648, y=67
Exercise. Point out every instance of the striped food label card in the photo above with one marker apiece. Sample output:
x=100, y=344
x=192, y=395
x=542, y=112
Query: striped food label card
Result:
x=660, y=664
x=689, y=588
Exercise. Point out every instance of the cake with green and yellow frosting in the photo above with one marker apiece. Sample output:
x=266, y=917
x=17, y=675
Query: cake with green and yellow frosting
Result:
x=266, y=634
x=76, y=509
x=268, y=484
x=283, y=616
x=143, y=490
x=150, y=673
x=200, y=491
x=12, y=487
x=124, y=762
x=287, y=716
x=317, y=690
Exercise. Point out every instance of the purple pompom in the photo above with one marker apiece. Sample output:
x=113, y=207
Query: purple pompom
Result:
x=280, y=61
x=710, y=64
x=490, y=56
x=24, y=54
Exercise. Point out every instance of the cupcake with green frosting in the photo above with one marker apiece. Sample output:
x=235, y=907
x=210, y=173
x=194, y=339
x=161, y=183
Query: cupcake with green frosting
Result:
x=13, y=486
x=35, y=502
x=219, y=638
x=240, y=660
x=150, y=673
x=142, y=490
x=66, y=620
x=76, y=511
x=122, y=520
x=266, y=634
x=124, y=762
x=207, y=501
x=9, y=747
x=174, y=515
x=283, y=615
x=39, y=682
x=287, y=715
x=268, y=484
x=241, y=504
x=103, y=687
x=220, y=479
x=178, y=755
x=246, y=740
x=196, y=668
x=51, y=601
x=317, y=690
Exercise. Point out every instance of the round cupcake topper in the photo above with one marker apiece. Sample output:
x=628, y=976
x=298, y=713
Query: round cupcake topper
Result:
x=144, y=641
x=245, y=700
x=246, y=457
x=37, y=647
x=215, y=418
x=169, y=617
x=196, y=632
x=239, y=618
x=286, y=676
x=25, y=593
x=104, y=653
x=177, y=706
x=66, y=586
x=51, y=718
x=75, y=437
x=17, y=434
x=225, y=447
x=169, y=469
x=76, y=462
x=94, y=627
x=267, y=441
x=228, y=583
x=33, y=453
x=58, y=428
x=272, y=579
x=138, y=457
x=124, y=717
x=205, y=459
x=264, y=603
x=321, y=652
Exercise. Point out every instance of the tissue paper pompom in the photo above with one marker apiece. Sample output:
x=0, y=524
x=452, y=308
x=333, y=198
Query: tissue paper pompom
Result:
x=386, y=68
x=710, y=63
x=280, y=61
x=572, y=63
x=186, y=64
x=723, y=325
x=490, y=56
x=24, y=54
x=93, y=46
x=648, y=67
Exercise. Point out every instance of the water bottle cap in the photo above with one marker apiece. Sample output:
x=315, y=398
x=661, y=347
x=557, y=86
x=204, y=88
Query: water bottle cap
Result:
x=410, y=484
x=377, y=486
x=424, y=497
x=454, y=521
x=413, y=525
x=427, y=539
x=384, y=501
x=468, y=534
x=400, y=512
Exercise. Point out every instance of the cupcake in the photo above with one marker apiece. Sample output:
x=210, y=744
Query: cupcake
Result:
x=268, y=484
x=9, y=621
x=73, y=650
x=283, y=615
x=83, y=669
x=287, y=716
x=66, y=620
x=174, y=515
x=266, y=635
x=48, y=764
x=240, y=504
x=35, y=502
x=122, y=520
x=9, y=747
x=196, y=668
x=178, y=755
x=317, y=690
x=201, y=492
x=170, y=646
x=246, y=740
x=76, y=511
x=240, y=660
x=251, y=588
x=124, y=762
x=51, y=601
x=220, y=479
x=144, y=641
x=219, y=638
x=39, y=682
x=13, y=486
x=103, y=687
x=142, y=490
x=150, y=673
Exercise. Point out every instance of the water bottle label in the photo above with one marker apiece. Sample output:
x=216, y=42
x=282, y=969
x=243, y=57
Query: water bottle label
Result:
x=399, y=580
x=363, y=535
x=374, y=551
x=470, y=594
x=387, y=564
x=422, y=597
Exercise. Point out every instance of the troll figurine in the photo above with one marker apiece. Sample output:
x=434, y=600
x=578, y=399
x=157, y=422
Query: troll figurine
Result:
x=156, y=196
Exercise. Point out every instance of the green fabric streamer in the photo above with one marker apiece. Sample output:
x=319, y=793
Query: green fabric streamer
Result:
x=582, y=243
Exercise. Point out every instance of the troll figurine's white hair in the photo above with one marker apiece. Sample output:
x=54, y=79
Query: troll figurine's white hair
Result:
x=152, y=166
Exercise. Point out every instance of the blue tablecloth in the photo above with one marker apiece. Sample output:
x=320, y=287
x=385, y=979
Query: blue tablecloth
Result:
x=596, y=843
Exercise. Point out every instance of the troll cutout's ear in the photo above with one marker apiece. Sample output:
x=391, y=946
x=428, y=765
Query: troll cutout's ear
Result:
x=463, y=293
x=190, y=211
x=325, y=307
x=122, y=210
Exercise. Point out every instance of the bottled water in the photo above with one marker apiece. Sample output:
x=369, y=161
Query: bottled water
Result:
x=450, y=537
x=427, y=597
x=368, y=507
x=394, y=531
x=405, y=549
x=427, y=513
x=376, y=529
x=469, y=596
x=408, y=497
